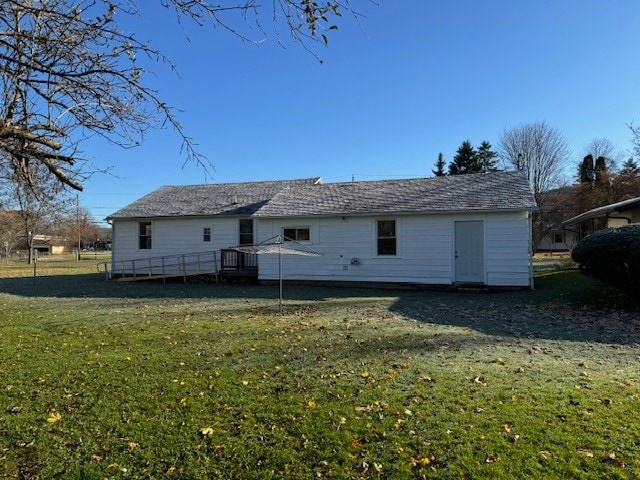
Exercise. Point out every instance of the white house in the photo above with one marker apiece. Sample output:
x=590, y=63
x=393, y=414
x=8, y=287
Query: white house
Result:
x=463, y=229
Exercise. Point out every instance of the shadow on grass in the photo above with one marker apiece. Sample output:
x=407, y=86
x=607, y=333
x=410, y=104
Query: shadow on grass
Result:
x=564, y=306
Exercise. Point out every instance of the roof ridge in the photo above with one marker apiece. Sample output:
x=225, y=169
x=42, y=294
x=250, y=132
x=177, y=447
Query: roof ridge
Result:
x=186, y=185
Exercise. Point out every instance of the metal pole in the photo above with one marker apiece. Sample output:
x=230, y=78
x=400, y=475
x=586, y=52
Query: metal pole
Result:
x=35, y=262
x=280, y=273
x=78, y=222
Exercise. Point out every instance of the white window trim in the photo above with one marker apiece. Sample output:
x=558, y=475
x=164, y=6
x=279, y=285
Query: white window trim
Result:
x=374, y=237
x=210, y=234
x=297, y=227
x=238, y=232
x=138, y=236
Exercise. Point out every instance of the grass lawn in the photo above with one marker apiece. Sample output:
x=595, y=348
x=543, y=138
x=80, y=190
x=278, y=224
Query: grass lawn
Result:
x=131, y=380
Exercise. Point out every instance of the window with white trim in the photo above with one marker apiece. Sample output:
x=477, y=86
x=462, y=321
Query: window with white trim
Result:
x=245, y=227
x=386, y=237
x=206, y=234
x=298, y=234
x=144, y=235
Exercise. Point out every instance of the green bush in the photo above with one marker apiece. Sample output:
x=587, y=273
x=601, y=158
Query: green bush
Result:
x=612, y=256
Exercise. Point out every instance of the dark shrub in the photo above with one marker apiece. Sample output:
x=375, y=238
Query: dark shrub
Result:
x=612, y=256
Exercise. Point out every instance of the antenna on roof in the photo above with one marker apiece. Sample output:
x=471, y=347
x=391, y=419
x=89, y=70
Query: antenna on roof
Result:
x=353, y=178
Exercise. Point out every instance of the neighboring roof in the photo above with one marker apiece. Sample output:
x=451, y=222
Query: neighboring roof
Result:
x=455, y=193
x=206, y=200
x=603, y=211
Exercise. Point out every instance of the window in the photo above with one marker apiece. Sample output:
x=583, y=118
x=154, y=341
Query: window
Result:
x=298, y=234
x=557, y=238
x=246, y=231
x=144, y=237
x=387, y=237
x=206, y=234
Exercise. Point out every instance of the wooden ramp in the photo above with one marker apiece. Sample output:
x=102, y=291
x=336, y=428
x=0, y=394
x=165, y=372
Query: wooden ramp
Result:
x=226, y=264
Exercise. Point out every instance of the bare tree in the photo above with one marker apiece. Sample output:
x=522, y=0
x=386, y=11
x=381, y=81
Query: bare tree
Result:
x=604, y=148
x=10, y=230
x=69, y=71
x=538, y=149
x=36, y=207
x=542, y=152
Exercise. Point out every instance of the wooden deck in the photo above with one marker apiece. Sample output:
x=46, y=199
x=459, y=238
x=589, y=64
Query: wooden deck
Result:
x=238, y=266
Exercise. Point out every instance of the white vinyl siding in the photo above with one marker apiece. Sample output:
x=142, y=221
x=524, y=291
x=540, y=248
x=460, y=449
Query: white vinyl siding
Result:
x=172, y=237
x=348, y=247
x=426, y=242
x=508, y=249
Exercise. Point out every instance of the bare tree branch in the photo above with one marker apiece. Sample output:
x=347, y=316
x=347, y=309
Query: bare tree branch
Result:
x=68, y=71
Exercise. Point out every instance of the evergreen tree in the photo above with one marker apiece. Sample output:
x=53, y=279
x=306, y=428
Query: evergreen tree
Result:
x=602, y=174
x=486, y=158
x=440, y=164
x=630, y=166
x=585, y=170
x=465, y=160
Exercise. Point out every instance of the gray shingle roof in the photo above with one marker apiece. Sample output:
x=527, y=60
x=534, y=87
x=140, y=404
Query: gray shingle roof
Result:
x=481, y=192
x=603, y=211
x=311, y=197
x=205, y=200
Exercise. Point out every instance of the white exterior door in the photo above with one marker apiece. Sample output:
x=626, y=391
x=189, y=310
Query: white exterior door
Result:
x=469, y=252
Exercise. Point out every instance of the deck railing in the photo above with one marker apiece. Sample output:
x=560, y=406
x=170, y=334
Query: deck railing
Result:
x=166, y=266
x=180, y=265
x=234, y=260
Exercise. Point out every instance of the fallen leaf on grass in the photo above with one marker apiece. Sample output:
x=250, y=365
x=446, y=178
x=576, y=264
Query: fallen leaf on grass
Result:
x=480, y=380
x=420, y=461
x=586, y=451
x=612, y=458
x=493, y=457
x=365, y=409
x=54, y=417
x=206, y=431
x=311, y=405
x=500, y=361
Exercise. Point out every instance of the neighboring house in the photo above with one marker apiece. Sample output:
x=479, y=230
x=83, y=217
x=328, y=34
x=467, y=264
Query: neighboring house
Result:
x=463, y=229
x=556, y=205
x=610, y=216
x=557, y=240
x=49, y=244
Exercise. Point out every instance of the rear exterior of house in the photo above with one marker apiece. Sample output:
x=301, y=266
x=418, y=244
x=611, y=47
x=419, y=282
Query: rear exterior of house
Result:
x=190, y=223
x=466, y=229
x=485, y=249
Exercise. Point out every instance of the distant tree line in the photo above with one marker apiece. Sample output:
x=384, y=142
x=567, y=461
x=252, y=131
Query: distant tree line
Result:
x=467, y=160
x=603, y=174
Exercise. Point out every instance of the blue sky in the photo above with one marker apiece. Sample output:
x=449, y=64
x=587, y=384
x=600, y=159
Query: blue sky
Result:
x=415, y=78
